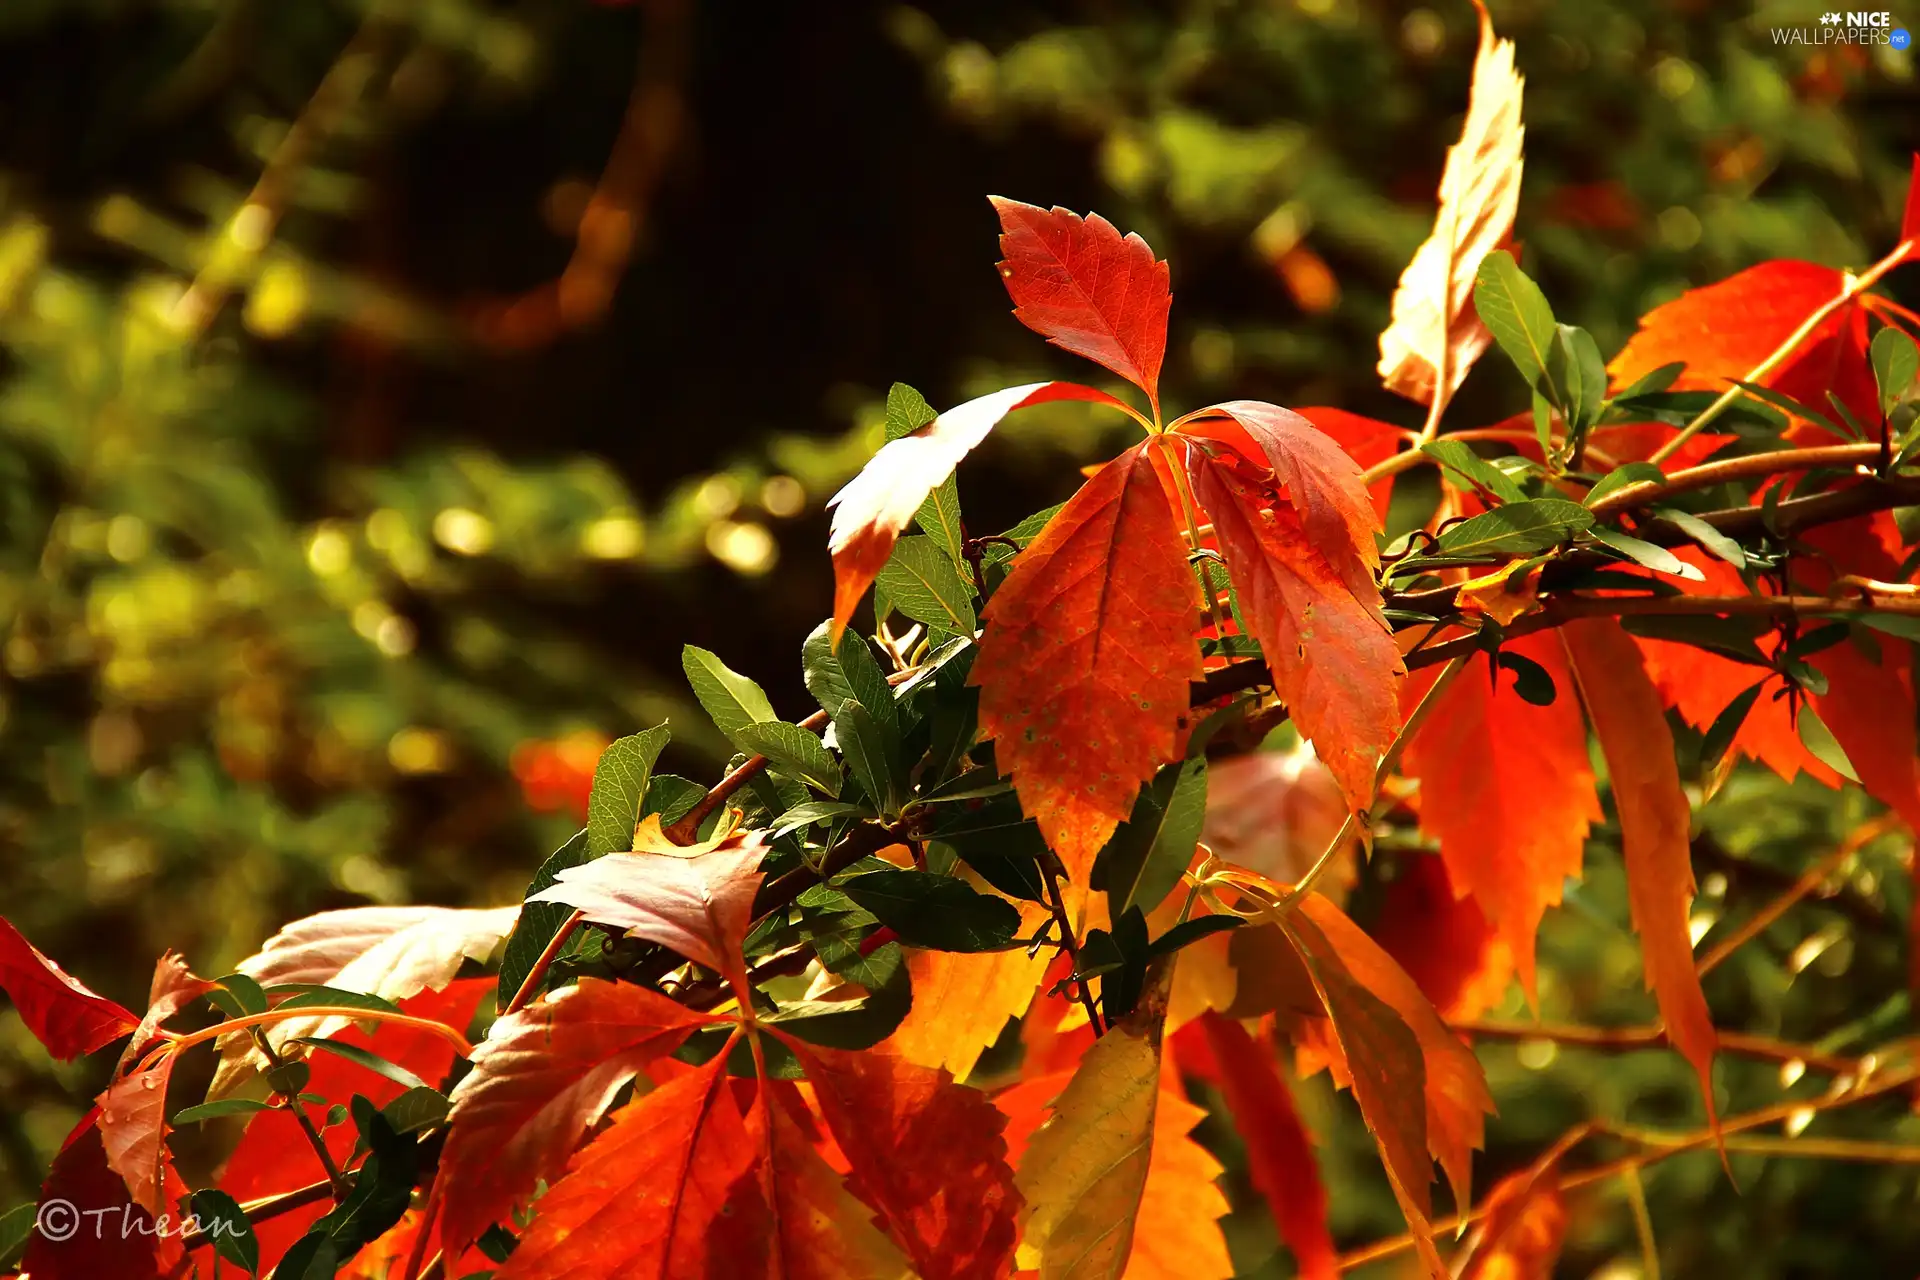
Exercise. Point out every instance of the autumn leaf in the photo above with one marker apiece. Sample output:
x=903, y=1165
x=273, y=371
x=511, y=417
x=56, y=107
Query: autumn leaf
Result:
x=62, y=1013
x=1176, y=1234
x=820, y=1231
x=1306, y=590
x=174, y=987
x=700, y=906
x=1434, y=327
x=1280, y=1155
x=1383, y=1060
x=926, y=1153
x=961, y=1002
x=127, y=1245
x=1455, y=1086
x=1088, y=652
x=872, y=510
x=1506, y=788
x=1084, y=1171
x=1368, y=441
x=134, y=1129
x=1631, y=724
x=1443, y=941
x=1520, y=1236
x=543, y=1076
x=643, y=1199
x=1088, y=289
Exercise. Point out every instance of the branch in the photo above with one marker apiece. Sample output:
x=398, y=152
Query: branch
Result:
x=1647, y=492
x=1811, y=879
x=1654, y=1036
x=258, y=1211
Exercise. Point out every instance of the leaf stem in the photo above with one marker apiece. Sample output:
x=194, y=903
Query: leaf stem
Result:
x=292, y=1099
x=1642, y=1222
x=1069, y=940
x=537, y=974
x=231, y=1025
x=1853, y=288
x=1176, y=472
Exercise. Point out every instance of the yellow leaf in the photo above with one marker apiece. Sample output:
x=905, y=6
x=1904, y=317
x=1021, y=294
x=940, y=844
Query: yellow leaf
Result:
x=1177, y=1233
x=1434, y=327
x=1085, y=1171
x=961, y=1002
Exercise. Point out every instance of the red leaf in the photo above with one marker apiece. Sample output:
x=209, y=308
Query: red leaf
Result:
x=110, y=1236
x=926, y=1153
x=540, y=1080
x=1083, y=286
x=1088, y=652
x=1316, y=614
x=1279, y=1153
x=820, y=1233
x=1367, y=441
x=1444, y=942
x=873, y=508
x=134, y=1129
x=667, y=1192
x=174, y=987
x=1654, y=819
x=1521, y=1234
x=274, y=1156
x=700, y=906
x=1507, y=789
x=62, y=1014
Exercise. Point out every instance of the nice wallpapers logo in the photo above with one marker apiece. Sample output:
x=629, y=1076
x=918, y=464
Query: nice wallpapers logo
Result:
x=1851, y=27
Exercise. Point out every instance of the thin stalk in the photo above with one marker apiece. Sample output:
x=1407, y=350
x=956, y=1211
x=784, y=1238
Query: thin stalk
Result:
x=1814, y=877
x=1187, y=509
x=299, y=1110
x=271, y=1016
x=1069, y=940
x=537, y=974
x=1642, y=1222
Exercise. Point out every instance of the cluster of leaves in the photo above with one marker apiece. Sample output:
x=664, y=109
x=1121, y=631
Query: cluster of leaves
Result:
x=762, y=1027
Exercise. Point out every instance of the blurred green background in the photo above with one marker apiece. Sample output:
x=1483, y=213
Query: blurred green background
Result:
x=388, y=388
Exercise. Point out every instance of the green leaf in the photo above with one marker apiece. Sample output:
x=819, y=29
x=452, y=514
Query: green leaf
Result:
x=813, y=811
x=1819, y=740
x=1457, y=456
x=289, y=1079
x=1716, y=542
x=1730, y=637
x=731, y=700
x=1653, y=381
x=16, y=1229
x=855, y=1024
x=366, y=1058
x=976, y=783
x=1150, y=851
x=1793, y=408
x=539, y=921
x=238, y=996
x=1000, y=843
x=383, y=1189
x=1575, y=366
x=220, y=1110
x=793, y=751
x=873, y=753
x=417, y=1109
x=907, y=411
x=1516, y=313
x=1620, y=477
x=1188, y=932
x=224, y=1223
x=1658, y=559
x=847, y=675
x=1519, y=528
x=1896, y=362
x=1905, y=626
x=308, y=995
x=1726, y=726
x=938, y=912
x=620, y=788
x=927, y=585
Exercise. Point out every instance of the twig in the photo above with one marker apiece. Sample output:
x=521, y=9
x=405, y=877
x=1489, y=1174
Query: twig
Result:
x=537, y=974
x=1069, y=940
x=1653, y=1036
x=299, y=1109
x=1854, y=287
x=429, y=1215
x=1642, y=1222
x=1812, y=879
x=1646, y=492
x=268, y=1208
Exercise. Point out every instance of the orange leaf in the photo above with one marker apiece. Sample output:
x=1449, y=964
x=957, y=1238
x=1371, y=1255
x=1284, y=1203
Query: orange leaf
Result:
x=1521, y=1235
x=1455, y=1087
x=926, y=1153
x=1444, y=942
x=1315, y=612
x=700, y=907
x=820, y=1231
x=543, y=1076
x=1381, y=1057
x=1088, y=652
x=117, y=1238
x=647, y=1198
x=61, y=1012
x=961, y=1002
x=1086, y=288
x=134, y=1129
x=1176, y=1234
x=174, y=987
x=1507, y=789
x=1434, y=325
x=1627, y=717
x=1279, y=1153
x=876, y=505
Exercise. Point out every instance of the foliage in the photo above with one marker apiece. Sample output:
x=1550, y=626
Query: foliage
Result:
x=929, y=980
